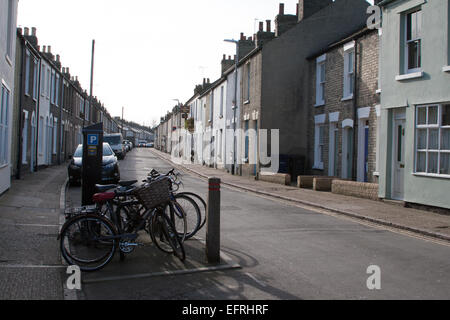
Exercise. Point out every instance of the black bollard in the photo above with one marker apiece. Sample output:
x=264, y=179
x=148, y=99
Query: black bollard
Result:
x=213, y=222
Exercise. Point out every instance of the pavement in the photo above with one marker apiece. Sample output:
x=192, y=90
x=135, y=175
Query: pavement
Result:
x=30, y=264
x=421, y=222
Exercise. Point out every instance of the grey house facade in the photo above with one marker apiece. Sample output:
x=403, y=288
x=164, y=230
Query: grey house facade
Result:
x=415, y=102
x=285, y=88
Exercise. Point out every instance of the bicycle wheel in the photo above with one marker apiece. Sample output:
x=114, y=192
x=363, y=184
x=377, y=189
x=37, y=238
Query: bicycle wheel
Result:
x=202, y=205
x=177, y=215
x=192, y=213
x=165, y=237
x=88, y=241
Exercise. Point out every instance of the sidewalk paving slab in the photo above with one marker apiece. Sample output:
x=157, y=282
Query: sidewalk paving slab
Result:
x=423, y=222
x=30, y=265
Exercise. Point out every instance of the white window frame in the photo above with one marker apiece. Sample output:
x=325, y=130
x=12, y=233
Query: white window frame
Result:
x=27, y=72
x=349, y=72
x=320, y=83
x=25, y=131
x=10, y=32
x=427, y=150
x=57, y=82
x=5, y=105
x=35, y=79
x=406, y=42
x=319, y=142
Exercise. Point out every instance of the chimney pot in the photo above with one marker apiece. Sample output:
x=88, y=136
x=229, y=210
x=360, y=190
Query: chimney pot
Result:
x=27, y=31
x=49, y=49
x=242, y=36
x=224, y=57
x=44, y=48
x=269, y=27
x=261, y=26
x=33, y=32
x=281, y=9
x=58, y=58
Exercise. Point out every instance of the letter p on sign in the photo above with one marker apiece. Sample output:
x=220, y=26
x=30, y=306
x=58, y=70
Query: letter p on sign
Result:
x=74, y=280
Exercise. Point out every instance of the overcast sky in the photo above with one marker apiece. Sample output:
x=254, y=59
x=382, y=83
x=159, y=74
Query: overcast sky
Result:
x=147, y=52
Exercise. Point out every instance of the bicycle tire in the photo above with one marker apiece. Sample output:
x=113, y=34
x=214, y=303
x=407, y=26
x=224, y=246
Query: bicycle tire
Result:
x=192, y=212
x=203, y=205
x=165, y=237
x=176, y=213
x=88, y=241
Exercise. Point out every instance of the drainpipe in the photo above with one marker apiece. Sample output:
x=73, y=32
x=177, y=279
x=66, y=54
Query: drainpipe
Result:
x=38, y=102
x=355, y=115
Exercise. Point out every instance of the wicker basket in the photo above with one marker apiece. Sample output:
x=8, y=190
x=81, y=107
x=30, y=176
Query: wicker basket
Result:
x=154, y=194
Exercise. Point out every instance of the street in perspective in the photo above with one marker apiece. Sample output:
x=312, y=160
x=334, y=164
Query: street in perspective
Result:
x=305, y=158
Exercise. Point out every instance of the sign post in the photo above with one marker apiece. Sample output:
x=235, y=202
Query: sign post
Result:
x=92, y=161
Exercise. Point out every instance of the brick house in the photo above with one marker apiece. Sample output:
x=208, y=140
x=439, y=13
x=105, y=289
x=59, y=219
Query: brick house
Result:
x=344, y=108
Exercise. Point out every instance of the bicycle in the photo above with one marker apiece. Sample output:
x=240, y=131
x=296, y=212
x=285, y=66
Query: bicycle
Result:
x=90, y=240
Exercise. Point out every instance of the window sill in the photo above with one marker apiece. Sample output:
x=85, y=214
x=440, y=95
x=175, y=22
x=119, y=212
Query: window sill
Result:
x=409, y=76
x=432, y=175
x=347, y=98
x=378, y=91
x=318, y=167
x=446, y=69
x=3, y=166
x=320, y=104
x=376, y=174
x=247, y=102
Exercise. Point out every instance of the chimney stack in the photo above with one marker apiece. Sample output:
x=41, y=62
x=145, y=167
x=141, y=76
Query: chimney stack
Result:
x=269, y=27
x=307, y=8
x=284, y=22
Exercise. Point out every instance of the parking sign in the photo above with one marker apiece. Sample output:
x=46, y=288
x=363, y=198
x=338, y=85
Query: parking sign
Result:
x=92, y=139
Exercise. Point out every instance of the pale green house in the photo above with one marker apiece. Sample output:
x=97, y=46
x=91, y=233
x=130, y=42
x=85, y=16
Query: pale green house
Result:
x=414, y=155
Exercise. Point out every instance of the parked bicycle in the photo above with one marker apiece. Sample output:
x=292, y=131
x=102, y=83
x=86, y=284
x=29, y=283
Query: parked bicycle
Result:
x=90, y=239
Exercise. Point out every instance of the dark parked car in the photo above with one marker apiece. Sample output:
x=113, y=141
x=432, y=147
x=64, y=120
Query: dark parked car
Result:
x=110, y=166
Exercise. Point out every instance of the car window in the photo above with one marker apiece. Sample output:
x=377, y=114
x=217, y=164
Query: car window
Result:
x=107, y=151
x=78, y=152
x=112, y=140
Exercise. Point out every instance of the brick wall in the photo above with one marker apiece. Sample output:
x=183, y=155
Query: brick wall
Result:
x=367, y=85
x=355, y=189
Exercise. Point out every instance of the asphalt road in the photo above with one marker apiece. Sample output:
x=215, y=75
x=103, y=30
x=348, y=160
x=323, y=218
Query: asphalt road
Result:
x=289, y=252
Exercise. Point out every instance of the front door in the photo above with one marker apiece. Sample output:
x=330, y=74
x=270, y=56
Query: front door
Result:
x=399, y=157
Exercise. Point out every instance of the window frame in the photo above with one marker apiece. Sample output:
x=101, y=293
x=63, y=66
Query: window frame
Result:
x=349, y=76
x=406, y=42
x=320, y=83
x=5, y=105
x=439, y=151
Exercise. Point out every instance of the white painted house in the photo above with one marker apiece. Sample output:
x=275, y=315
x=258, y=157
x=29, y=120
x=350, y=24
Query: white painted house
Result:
x=8, y=23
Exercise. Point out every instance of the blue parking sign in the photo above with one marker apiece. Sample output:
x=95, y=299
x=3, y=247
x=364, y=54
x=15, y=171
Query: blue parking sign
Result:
x=92, y=139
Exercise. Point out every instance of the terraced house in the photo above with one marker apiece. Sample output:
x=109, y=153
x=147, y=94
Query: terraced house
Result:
x=8, y=21
x=344, y=105
x=415, y=102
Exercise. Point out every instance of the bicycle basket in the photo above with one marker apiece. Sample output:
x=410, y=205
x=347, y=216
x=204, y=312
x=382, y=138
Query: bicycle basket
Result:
x=153, y=194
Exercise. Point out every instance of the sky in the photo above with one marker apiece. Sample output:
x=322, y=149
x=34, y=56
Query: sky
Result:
x=147, y=53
